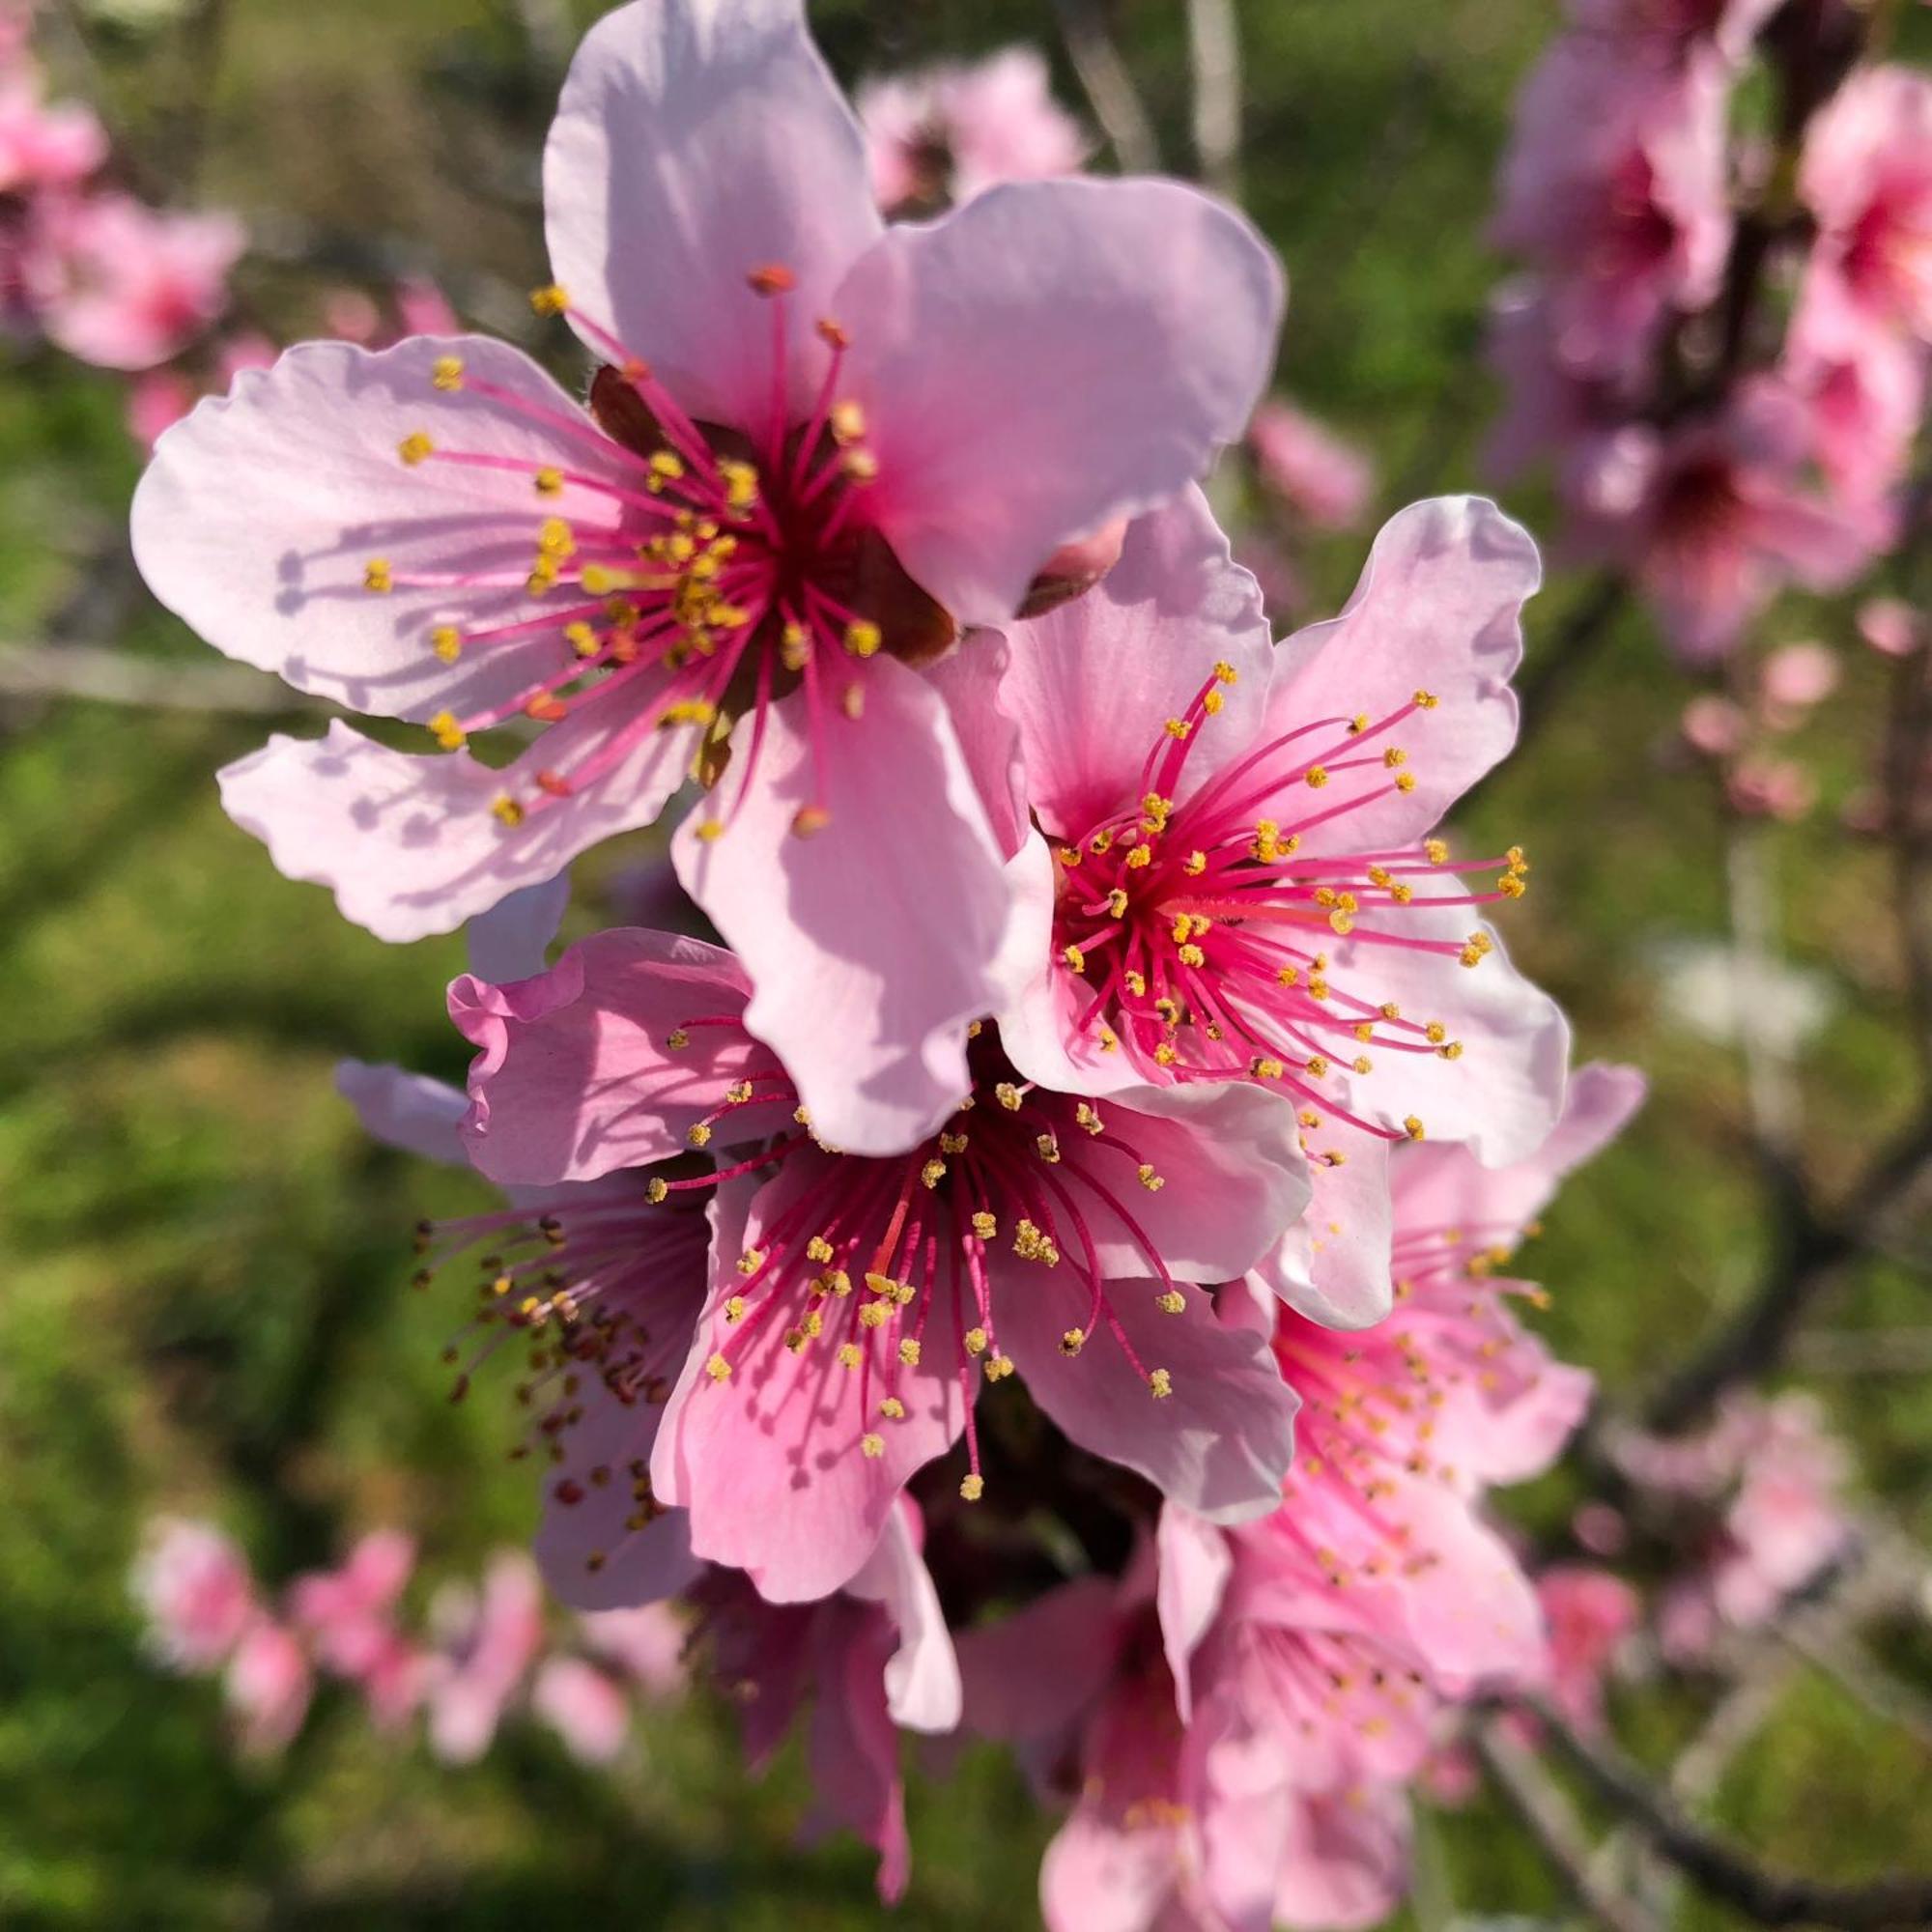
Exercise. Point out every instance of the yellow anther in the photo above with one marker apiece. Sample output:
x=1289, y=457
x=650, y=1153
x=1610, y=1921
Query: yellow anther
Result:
x=548, y=482
x=1165, y=1054
x=1288, y=975
x=863, y=638
x=909, y=1352
x=1068, y=857
x=1225, y=671
x=1008, y=1096
x=447, y=732
x=1192, y=956
x=1073, y=1340
x=1101, y=845
x=1412, y=1128
x=860, y=465
x=1395, y=756
x=1087, y=1116
x=954, y=1142
x=1178, y=728
x=1316, y=778
x=1154, y=810
x=974, y=1341
x=1147, y=1176
x=1194, y=865
x=1170, y=1302
x=972, y=1488
x=1138, y=857
x=415, y=447
x=1511, y=885
x=1075, y=958
x=1362, y=1064
x=1211, y=704
x=998, y=1368
x=1264, y=1068
x=377, y=575
x=1451, y=1049
x=446, y=373
x=874, y=1314
x=1109, y=1039
x=1405, y=782
x=734, y=1309
x=932, y=1172
x=750, y=1260
x=893, y=1408
x=677, y=1039
x=1317, y=1067
x=718, y=1368
x=1426, y=701
x=818, y=1249
x=698, y=1134
x=836, y=1281
x=1435, y=850
x=1135, y=984
x=657, y=1190
x=689, y=711
x=873, y=1444
x=447, y=641
x=507, y=813
x=846, y=420
x=549, y=300
x=986, y=1226
x=1049, y=1148
x=850, y=1355
x=709, y=829
x=1160, y=1384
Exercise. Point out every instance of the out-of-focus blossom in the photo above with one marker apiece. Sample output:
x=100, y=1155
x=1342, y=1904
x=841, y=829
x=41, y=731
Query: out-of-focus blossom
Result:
x=348, y=1616
x=486, y=1641
x=1863, y=384
x=1713, y=725
x=1614, y=186
x=1713, y=517
x=268, y=1686
x=1233, y=875
x=1890, y=626
x=1868, y=180
x=1796, y=677
x=1588, y=1613
x=891, y=434
x=585, y=1706
x=1707, y=987
x=1326, y=482
x=1671, y=31
x=646, y=1642
x=1763, y=787
x=197, y=1591
x=856, y=1304
x=158, y=398
x=44, y=146
x=136, y=287
x=945, y=134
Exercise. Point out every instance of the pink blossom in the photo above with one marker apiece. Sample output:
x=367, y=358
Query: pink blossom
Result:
x=268, y=1687
x=856, y=1303
x=1867, y=179
x=838, y=447
x=1788, y=1519
x=197, y=1591
x=136, y=286
x=623, y=1281
x=41, y=146
x=1713, y=725
x=348, y=1616
x=1615, y=186
x=646, y=1642
x=876, y=1656
x=1890, y=626
x=1712, y=519
x=1549, y=407
x=486, y=1643
x=1797, y=677
x=950, y=132
x=585, y=1706
x=1323, y=480
x=156, y=399
x=1764, y=787
x=1670, y=31
x=1588, y=1613
x=1233, y=879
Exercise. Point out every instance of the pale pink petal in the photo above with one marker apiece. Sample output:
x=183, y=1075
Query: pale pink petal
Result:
x=586, y=1708
x=1052, y=356
x=1193, y=1575
x=870, y=942
x=769, y=1459
x=268, y=1687
x=971, y=682
x=1346, y=1866
x=1032, y=1675
x=922, y=1677
x=1094, y=683
x=1440, y=608
x=410, y=1111
x=578, y=1074
x=854, y=1750
x=697, y=141
x=511, y=941
x=1237, y=1778
x=1100, y=1876
x=1334, y=1266
x=1220, y=1443
x=260, y=514
x=409, y=842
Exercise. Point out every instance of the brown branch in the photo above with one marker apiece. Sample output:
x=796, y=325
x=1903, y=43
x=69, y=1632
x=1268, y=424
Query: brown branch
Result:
x=107, y=676
x=1724, y=1872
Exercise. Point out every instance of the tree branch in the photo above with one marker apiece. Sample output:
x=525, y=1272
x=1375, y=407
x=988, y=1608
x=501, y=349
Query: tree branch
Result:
x=114, y=678
x=1110, y=87
x=1215, y=52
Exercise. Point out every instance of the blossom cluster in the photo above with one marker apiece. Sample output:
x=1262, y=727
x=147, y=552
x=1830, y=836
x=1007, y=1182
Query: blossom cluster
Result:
x=1108, y=1104
x=485, y=1651
x=1721, y=341
x=97, y=271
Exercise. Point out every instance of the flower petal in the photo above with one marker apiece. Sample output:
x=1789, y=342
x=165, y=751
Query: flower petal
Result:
x=1193, y=1575
x=1051, y=356
x=511, y=941
x=1094, y=683
x=413, y=844
x=260, y=514
x=1334, y=1266
x=1438, y=608
x=870, y=943
x=923, y=1690
x=698, y=140
x=406, y=1110
x=577, y=1073
x=1220, y=1443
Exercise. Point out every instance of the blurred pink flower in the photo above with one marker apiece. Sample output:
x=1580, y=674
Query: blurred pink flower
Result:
x=1764, y=787
x=156, y=399
x=1865, y=386
x=1890, y=626
x=1231, y=876
x=1713, y=517
x=894, y=434
x=348, y=1615
x=854, y=1308
x=485, y=1642
x=197, y=1591
x=268, y=1687
x=1867, y=179
x=1713, y=725
x=1588, y=1613
x=1323, y=480
x=1796, y=677
x=1673, y=30
x=136, y=286
x=1615, y=186
x=647, y=1642
x=43, y=146
x=950, y=132
x=585, y=1706
x=1788, y=1520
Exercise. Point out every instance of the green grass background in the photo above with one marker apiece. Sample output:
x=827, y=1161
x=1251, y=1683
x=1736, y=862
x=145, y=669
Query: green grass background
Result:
x=203, y=1263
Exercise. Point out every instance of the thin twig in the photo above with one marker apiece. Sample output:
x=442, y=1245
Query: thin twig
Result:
x=108, y=676
x=1727, y=1874
x=1552, y=1822
x=1110, y=87
x=1215, y=52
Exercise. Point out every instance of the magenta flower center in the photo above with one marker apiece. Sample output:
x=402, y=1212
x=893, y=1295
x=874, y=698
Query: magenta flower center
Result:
x=1204, y=930
x=731, y=567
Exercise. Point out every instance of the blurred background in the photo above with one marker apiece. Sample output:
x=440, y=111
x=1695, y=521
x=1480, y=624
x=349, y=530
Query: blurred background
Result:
x=204, y=1301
